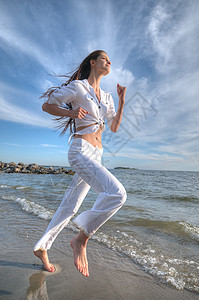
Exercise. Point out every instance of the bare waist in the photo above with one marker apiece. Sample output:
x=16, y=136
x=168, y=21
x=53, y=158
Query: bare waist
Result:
x=93, y=138
x=91, y=133
x=82, y=127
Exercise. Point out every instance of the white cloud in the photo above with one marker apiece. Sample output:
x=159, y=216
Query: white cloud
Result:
x=49, y=146
x=173, y=30
x=45, y=44
x=143, y=160
x=14, y=39
x=15, y=145
x=14, y=113
x=117, y=75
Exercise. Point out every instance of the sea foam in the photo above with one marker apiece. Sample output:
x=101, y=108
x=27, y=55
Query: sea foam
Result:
x=31, y=207
x=192, y=230
x=169, y=270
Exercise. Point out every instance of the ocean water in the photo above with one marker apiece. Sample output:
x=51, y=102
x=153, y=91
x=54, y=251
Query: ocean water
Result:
x=157, y=228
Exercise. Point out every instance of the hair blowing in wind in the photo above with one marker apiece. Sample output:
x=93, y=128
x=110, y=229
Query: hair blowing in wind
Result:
x=80, y=73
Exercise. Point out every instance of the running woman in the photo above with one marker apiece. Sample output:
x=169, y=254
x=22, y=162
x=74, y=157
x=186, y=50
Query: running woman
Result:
x=88, y=107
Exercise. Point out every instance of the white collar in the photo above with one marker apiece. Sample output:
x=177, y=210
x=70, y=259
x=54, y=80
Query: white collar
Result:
x=90, y=88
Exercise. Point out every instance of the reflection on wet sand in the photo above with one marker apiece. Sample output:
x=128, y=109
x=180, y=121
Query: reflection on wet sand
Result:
x=38, y=287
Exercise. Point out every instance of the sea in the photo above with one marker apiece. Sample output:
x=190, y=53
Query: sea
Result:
x=157, y=228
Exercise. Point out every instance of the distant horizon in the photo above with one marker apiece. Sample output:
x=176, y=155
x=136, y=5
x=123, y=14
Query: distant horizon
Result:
x=50, y=165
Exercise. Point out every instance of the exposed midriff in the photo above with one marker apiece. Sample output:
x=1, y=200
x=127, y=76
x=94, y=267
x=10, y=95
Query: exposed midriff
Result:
x=94, y=138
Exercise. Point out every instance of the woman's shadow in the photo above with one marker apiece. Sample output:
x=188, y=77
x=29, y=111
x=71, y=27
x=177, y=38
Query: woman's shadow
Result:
x=15, y=264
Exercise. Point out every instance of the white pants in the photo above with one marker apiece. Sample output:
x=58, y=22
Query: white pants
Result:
x=85, y=160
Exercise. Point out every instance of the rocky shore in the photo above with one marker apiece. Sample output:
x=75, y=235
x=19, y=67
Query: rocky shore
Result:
x=31, y=169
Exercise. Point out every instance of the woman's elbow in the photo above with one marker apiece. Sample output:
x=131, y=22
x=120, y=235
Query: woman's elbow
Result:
x=113, y=129
x=44, y=107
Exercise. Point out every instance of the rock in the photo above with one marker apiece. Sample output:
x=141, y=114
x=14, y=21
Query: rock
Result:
x=44, y=169
x=1, y=165
x=43, y=172
x=70, y=172
x=55, y=172
x=31, y=169
x=20, y=164
x=12, y=163
x=17, y=170
x=33, y=166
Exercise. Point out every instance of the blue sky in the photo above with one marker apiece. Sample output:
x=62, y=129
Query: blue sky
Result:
x=153, y=47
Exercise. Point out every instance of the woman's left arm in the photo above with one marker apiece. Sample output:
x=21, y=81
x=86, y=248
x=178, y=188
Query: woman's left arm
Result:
x=121, y=90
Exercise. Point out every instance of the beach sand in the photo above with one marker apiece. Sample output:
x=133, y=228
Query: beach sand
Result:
x=112, y=276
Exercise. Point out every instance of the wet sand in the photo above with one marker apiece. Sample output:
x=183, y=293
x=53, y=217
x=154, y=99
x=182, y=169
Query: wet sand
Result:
x=112, y=276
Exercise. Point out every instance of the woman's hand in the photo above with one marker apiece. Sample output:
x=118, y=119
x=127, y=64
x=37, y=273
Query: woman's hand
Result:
x=78, y=113
x=121, y=90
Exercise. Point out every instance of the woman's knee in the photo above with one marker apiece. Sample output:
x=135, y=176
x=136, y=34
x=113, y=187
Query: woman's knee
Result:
x=122, y=195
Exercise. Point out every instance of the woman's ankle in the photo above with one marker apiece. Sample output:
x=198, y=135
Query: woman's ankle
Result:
x=82, y=238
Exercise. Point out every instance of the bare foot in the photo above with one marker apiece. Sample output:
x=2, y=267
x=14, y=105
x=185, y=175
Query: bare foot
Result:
x=80, y=257
x=44, y=258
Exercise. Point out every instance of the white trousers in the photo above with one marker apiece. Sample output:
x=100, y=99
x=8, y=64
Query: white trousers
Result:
x=85, y=160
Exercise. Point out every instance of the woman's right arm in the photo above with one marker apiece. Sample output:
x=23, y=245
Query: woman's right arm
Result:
x=54, y=110
x=64, y=94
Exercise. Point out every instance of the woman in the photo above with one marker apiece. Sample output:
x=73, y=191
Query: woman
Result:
x=89, y=105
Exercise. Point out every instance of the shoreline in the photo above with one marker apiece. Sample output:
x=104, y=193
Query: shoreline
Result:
x=150, y=240
x=33, y=168
x=112, y=276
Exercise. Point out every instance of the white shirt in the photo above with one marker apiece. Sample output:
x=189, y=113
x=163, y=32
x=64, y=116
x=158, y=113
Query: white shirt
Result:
x=81, y=93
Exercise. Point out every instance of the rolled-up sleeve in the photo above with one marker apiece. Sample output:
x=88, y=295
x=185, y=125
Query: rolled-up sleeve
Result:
x=64, y=94
x=110, y=111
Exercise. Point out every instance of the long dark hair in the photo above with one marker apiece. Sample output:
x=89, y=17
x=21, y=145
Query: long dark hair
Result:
x=80, y=73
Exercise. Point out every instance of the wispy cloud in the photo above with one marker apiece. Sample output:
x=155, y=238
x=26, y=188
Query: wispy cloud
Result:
x=15, y=145
x=173, y=30
x=13, y=113
x=49, y=146
x=33, y=146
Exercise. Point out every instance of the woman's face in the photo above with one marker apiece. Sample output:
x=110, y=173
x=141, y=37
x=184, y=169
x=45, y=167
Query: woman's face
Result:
x=102, y=64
